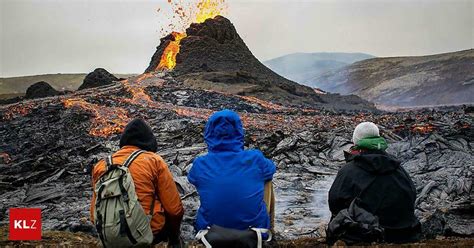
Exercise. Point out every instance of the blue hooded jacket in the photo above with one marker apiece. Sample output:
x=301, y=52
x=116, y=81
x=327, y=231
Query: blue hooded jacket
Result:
x=230, y=180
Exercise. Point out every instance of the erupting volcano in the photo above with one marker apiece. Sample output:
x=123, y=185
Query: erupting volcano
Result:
x=211, y=55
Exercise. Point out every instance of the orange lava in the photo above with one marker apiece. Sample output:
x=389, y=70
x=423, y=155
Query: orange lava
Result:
x=5, y=157
x=137, y=90
x=107, y=120
x=187, y=14
x=423, y=129
x=168, y=58
x=193, y=112
x=265, y=104
x=17, y=110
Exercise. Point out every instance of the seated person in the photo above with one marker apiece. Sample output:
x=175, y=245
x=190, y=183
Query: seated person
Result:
x=230, y=180
x=154, y=184
x=391, y=194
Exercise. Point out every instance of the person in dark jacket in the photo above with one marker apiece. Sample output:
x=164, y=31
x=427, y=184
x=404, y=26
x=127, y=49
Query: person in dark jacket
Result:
x=392, y=194
x=230, y=180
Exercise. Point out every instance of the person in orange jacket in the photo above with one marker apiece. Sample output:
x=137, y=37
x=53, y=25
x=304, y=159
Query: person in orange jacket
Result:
x=154, y=183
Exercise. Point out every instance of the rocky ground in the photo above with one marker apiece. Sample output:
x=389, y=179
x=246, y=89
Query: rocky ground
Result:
x=49, y=145
x=79, y=239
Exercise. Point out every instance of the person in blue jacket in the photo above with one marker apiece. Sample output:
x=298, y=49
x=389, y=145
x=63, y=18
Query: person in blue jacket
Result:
x=230, y=180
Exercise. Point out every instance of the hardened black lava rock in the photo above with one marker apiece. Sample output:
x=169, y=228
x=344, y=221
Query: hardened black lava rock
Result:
x=99, y=77
x=39, y=90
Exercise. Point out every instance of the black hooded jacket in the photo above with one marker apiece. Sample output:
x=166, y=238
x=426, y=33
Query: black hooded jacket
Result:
x=391, y=196
x=138, y=133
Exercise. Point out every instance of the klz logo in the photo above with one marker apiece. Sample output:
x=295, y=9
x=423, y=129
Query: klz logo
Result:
x=25, y=224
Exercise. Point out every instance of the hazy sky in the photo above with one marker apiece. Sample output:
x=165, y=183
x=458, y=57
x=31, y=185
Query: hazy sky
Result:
x=44, y=36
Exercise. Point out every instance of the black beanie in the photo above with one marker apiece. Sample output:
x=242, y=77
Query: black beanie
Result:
x=138, y=133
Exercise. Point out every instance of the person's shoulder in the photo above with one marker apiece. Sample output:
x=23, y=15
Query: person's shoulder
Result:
x=151, y=157
x=256, y=156
x=198, y=163
x=152, y=154
x=348, y=167
x=199, y=159
x=100, y=164
x=254, y=153
x=98, y=168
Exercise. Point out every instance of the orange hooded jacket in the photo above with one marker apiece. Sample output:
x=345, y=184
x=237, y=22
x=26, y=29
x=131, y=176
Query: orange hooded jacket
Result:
x=153, y=182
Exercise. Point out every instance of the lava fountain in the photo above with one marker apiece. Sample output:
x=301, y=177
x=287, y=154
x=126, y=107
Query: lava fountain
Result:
x=168, y=58
x=194, y=13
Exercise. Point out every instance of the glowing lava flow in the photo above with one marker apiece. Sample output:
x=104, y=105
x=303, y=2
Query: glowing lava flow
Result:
x=139, y=96
x=423, y=128
x=168, y=58
x=265, y=104
x=106, y=120
x=112, y=120
x=17, y=110
x=198, y=13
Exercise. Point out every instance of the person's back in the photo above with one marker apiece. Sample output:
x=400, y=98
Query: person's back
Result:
x=230, y=180
x=390, y=194
x=154, y=184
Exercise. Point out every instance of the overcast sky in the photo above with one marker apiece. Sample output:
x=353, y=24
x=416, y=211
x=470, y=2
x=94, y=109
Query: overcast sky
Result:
x=44, y=36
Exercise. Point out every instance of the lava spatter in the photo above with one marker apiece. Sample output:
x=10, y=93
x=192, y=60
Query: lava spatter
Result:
x=187, y=14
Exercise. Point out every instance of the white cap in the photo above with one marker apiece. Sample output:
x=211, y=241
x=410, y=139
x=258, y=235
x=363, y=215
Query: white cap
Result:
x=364, y=130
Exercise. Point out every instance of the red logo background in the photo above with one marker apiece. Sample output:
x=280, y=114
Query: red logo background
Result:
x=25, y=224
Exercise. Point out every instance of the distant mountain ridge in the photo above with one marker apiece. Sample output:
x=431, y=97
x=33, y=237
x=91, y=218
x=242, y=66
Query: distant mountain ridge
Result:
x=301, y=67
x=440, y=79
x=60, y=81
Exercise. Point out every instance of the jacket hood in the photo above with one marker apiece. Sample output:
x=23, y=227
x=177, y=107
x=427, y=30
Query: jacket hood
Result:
x=138, y=133
x=224, y=132
x=376, y=162
x=372, y=143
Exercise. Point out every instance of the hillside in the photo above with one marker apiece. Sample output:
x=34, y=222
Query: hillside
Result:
x=439, y=79
x=67, y=81
x=300, y=67
x=213, y=56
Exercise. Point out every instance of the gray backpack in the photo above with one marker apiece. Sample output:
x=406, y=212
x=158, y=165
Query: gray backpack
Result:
x=120, y=219
x=355, y=224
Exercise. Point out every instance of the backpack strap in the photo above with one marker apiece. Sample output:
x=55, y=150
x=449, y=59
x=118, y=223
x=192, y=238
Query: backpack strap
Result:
x=108, y=162
x=108, y=167
x=126, y=164
x=98, y=226
x=259, y=232
x=132, y=157
x=201, y=235
x=124, y=228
